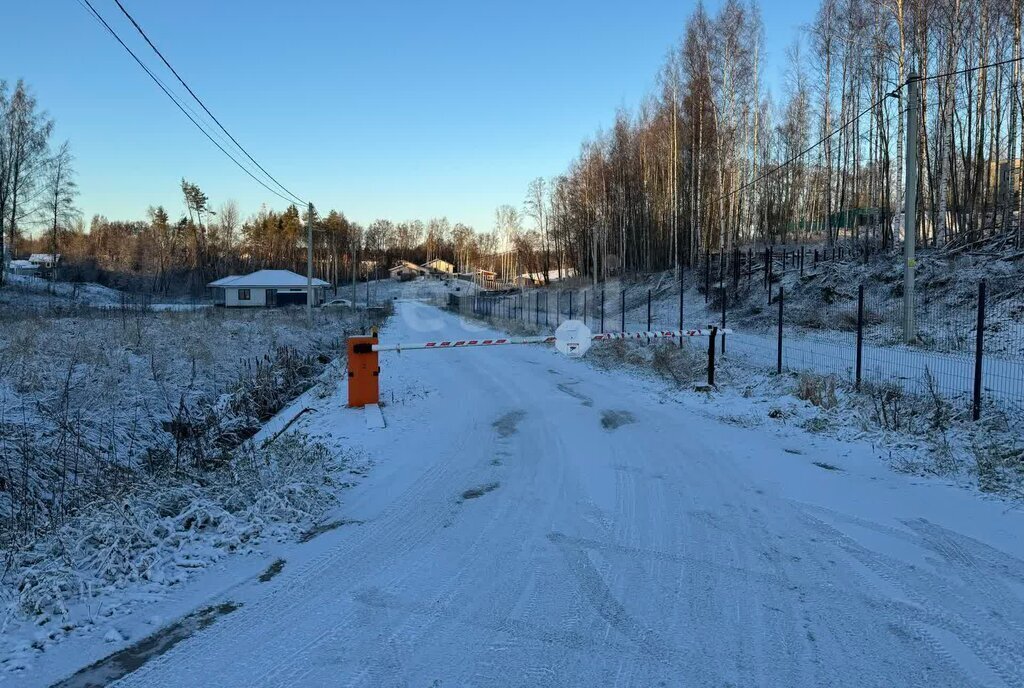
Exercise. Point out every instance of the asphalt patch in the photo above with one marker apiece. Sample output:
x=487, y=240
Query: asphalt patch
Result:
x=272, y=571
x=123, y=662
x=480, y=491
x=508, y=424
x=328, y=527
x=610, y=420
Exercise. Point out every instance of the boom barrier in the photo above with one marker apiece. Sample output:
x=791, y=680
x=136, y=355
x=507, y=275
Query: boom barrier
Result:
x=572, y=338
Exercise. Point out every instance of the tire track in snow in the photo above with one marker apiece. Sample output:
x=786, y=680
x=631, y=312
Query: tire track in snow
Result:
x=1002, y=656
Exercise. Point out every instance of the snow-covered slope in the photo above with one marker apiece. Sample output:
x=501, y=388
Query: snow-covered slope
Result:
x=532, y=520
x=30, y=292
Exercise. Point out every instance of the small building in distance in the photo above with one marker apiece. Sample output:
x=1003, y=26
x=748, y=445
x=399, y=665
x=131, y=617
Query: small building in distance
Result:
x=44, y=260
x=537, y=279
x=266, y=289
x=405, y=270
x=23, y=267
x=45, y=263
x=439, y=265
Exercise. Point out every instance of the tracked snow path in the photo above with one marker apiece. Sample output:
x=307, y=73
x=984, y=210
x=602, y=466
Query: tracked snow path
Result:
x=532, y=521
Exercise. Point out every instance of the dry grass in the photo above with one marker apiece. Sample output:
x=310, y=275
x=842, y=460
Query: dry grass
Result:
x=820, y=390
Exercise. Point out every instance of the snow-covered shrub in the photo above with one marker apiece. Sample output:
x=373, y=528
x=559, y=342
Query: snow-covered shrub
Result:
x=94, y=402
x=155, y=532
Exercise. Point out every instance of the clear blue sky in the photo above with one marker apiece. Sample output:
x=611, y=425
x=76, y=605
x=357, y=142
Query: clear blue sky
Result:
x=379, y=109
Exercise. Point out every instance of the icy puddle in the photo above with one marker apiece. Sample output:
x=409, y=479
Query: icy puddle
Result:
x=124, y=662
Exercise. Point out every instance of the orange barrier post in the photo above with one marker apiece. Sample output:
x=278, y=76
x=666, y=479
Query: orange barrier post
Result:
x=363, y=372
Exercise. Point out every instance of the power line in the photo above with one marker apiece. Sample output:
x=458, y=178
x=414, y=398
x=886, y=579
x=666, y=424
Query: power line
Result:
x=201, y=103
x=894, y=93
x=99, y=17
x=968, y=70
x=804, y=152
x=183, y=103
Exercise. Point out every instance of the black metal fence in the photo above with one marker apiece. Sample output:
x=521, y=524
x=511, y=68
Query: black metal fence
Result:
x=807, y=310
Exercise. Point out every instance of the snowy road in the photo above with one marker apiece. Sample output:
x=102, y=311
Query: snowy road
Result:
x=532, y=521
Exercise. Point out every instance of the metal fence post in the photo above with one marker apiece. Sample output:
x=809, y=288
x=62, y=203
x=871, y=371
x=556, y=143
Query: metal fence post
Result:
x=570, y=305
x=536, y=308
x=602, y=307
x=584, y=306
x=779, y=362
x=979, y=349
x=648, y=310
x=623, y=310
x=707, y=276
x=737, y=258
x=724, y=297
x=711, y=356
x=860, y=331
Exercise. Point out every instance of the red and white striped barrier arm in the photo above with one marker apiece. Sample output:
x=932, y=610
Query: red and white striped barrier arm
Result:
x=549, y=339
x=670, y=334
x=463, y=343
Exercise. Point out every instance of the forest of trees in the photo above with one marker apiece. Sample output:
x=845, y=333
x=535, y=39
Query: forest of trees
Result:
x=698, y=167
x=167, y=256
x=709, y=161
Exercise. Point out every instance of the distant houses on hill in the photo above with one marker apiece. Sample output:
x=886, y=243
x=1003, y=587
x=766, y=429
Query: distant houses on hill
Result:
x=407, y=270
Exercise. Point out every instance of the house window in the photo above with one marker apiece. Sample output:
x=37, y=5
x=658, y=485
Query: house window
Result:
x=243, y=295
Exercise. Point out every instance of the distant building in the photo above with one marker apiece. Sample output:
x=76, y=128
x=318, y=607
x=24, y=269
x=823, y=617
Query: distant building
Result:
x=537, y=278
x=265, y=289
x=44, y=260
x=23, y=267
x=406, y=270
x=1004, y=179
x=439, y=265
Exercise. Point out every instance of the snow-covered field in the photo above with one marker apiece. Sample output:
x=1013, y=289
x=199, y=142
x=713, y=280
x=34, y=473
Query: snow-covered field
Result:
x=534, y=520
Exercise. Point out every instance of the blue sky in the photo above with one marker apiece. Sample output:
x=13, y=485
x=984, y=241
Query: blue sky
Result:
x=379, y=109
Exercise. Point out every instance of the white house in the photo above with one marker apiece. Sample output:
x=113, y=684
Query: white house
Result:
x=44, y=260
x=405, y=270
x=439, y=265
x=265, y=289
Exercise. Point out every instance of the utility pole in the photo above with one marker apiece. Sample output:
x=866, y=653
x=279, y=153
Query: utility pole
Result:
x=910, y=208
x=355, y=265
x=309, y=264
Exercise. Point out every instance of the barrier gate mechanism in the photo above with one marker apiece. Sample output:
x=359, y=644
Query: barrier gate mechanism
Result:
x=572, y=338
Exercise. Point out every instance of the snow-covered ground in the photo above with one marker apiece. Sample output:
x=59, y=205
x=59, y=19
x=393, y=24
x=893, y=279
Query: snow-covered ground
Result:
x=535, y=520
x=28, y=291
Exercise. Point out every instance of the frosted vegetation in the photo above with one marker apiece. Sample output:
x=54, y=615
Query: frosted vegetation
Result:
x=126, y=441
